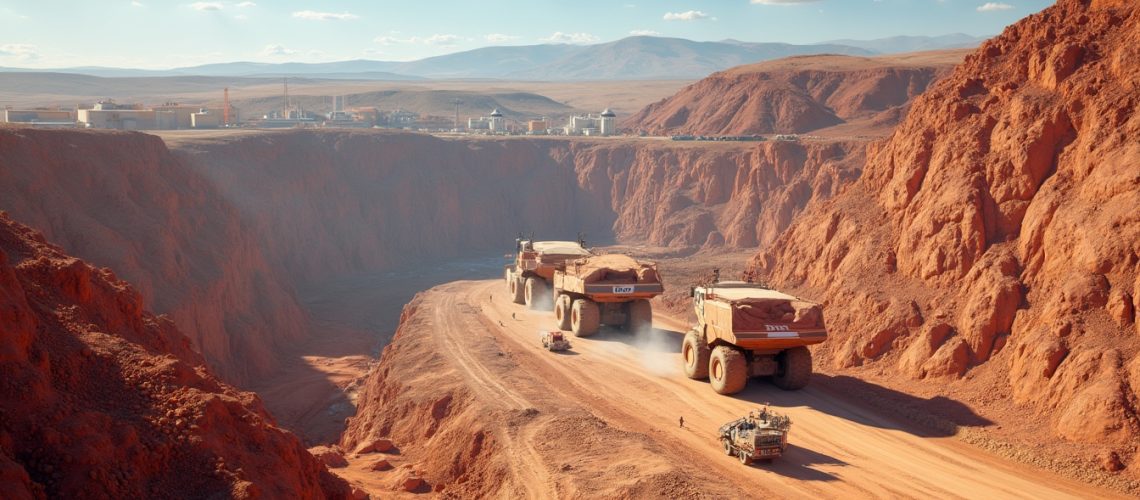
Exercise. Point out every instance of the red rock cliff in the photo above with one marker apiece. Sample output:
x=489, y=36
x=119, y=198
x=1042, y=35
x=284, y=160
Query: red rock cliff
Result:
x=99, y=398
x=795, y=95
x=328, y=203
x=122, y=200
x=997, y=232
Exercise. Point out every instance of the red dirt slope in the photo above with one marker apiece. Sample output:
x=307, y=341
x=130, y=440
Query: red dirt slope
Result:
x=996, y=237
x=121, y=200
x=796, y=95
x=100, y=398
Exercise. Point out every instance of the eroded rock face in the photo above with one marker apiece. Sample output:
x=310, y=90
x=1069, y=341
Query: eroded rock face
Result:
x=100, y=398
x=1005, y=202
x=220, y=233
x=793, y=95
x=121, y=200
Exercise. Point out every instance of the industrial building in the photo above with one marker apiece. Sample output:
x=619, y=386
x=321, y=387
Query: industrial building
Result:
x=536, y=127
x=493, y=123
x=40, y=118
x=170, y=116
x=601, y=124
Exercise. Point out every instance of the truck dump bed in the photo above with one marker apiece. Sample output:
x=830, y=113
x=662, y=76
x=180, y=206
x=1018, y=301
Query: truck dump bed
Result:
x=610, y=278
x=541, y=257
x=757, y=318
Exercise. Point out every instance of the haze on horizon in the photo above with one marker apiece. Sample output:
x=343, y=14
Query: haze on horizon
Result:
x=157, y=34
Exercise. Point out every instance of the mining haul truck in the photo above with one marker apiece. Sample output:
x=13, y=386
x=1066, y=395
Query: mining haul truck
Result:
x=529, y=277
x=761, y=435
x=747, y=330
x=609, y=290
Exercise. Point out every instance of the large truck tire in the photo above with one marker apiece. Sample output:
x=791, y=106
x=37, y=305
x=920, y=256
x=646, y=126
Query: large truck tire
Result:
x=584, y=318
x=696, y=355
x=728, y=370
x=562, y=312
x=517, y=291
x=508, y=275
x=794, y=369
x=639, y=317
x=532, y=293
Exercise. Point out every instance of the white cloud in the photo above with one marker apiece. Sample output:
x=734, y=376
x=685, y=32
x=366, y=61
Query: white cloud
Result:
x=390, y=40
x=785, y=2
x=324, y=16
x=644, y=33
x=440, y=39
x=689, y=15
x=277, y=51
x=137, y=4
x=994, y=6
x=243, y=5
x=499, y=37
x=436, y=39
x=560, y=37
x=206, y=6
x=19, y=51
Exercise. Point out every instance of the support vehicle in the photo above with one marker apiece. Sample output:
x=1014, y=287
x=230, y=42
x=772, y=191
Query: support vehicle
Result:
x=609, y=290
x=748, y=330
x=761, y=435
x=555, y=341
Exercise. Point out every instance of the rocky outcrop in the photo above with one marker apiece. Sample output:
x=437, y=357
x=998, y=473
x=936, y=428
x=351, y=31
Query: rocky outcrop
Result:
x=1005, y=207
x=795, y=95
x=99, y=398
x=121, y=200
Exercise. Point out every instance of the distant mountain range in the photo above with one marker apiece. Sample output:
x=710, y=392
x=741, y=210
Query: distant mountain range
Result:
x=899, y=44
x=632, y=58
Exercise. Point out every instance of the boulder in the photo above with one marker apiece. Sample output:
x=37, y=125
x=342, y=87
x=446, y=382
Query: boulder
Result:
x=951, y=360
x=330, y=456
x=379, y=445
x=412, y=483
x=1120, y=307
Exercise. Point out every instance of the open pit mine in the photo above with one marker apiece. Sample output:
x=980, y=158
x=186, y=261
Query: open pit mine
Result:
x=931, y=292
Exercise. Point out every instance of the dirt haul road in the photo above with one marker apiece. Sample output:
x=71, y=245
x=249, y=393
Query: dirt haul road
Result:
x=635, y=385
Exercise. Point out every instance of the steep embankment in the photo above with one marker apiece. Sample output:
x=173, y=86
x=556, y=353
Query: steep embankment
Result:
x=797, y=95
x=99, y=398
x=993, y=243
x=121, y=200
x=334, y=202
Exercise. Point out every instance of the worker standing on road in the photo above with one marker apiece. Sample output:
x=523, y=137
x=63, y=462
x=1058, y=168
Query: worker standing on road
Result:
x=681, y=420
x=513, y=316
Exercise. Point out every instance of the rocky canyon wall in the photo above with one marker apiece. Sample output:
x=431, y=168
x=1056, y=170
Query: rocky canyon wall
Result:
x=122, y=201
x=99, y=398
x=996, y=235
x=223, y=230
x=328, y=203
x=795, y=95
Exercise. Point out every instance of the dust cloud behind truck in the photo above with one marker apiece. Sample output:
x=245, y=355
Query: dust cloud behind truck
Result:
x=530, y=276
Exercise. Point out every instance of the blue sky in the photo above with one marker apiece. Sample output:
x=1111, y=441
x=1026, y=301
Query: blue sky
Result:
x=166, y=34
